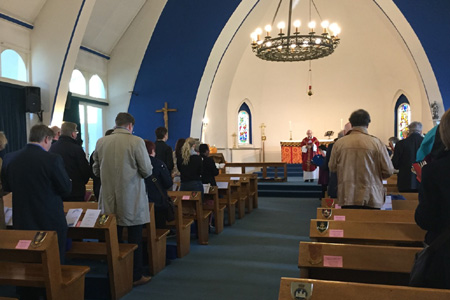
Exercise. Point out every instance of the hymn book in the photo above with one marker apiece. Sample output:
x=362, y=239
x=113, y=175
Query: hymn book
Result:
x=73, y=215
x=90, y=218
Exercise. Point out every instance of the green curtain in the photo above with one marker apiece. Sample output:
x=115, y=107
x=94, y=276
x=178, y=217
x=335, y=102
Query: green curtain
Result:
x=72, y=113
x=13, y=116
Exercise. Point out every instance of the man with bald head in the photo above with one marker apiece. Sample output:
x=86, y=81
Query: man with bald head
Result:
x=309, y=146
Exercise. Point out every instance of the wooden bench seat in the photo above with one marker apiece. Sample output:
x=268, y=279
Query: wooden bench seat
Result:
x=365, y=215
x=264, y=166
x=226, y=198
x=217, y=208
x=322, y=289
x=182, y=225
x=156, y=243
x=119, y=257
x=192, y=207
x=39, y=266
x=383, y=233
x=245, y=190
x=237, y=191
x=405, y=204
x=356, y=263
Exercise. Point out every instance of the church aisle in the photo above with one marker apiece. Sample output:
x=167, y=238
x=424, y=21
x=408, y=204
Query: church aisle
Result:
x=246, y=261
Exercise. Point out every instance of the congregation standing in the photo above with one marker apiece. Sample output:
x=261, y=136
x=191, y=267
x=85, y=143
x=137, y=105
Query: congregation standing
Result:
x=53, y=168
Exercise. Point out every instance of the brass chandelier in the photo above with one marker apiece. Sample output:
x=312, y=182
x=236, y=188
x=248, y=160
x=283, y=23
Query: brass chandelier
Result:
x=296, y=46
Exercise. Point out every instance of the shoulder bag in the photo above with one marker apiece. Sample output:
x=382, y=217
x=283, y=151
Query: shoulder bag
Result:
x=423, y=260
x=170, y=215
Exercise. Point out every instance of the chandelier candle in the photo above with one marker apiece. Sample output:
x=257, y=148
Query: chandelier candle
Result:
x=296, y=46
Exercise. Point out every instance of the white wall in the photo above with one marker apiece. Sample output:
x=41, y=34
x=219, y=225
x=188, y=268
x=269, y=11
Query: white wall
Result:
x=127, y=56
x=368, y=70
x=49, y=43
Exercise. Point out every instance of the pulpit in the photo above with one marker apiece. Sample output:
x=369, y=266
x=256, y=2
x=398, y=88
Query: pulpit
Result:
x=291, y=152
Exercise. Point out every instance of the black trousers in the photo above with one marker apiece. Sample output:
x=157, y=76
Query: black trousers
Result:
x=134, y=237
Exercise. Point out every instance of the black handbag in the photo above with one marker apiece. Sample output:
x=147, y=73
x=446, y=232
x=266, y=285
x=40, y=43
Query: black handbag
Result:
x=170, y=212
x=424, y=260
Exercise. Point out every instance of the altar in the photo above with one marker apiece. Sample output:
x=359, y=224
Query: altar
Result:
x=291, y=152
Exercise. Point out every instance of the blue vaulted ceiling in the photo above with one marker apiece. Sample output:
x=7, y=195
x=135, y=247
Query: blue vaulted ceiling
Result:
x=172, y=73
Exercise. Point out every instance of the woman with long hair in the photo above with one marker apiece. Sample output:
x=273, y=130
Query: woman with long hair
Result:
x=177, y=152
x=190, y=166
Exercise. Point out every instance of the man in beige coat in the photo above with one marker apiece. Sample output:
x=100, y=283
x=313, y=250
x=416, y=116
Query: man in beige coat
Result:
x=122, y=162
x=361, y=162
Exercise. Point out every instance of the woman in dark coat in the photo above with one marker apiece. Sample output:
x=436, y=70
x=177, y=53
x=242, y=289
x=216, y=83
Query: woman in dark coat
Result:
x=432, y=213
x=210, y=170
x=164, y=180
x=190, y=165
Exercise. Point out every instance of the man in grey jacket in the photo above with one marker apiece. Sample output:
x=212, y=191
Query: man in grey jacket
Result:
x=361, y=162
x=122, y=162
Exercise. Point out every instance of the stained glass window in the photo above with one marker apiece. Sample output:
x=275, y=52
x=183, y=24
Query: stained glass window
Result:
x=243, y=128
x=403, y=119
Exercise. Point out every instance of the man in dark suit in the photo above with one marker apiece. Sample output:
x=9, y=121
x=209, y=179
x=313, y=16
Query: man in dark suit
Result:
x=37, y=180
x=163, y=151
x=405, y=155
x=75, y=161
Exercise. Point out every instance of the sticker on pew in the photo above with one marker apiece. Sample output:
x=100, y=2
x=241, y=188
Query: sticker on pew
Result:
x=336, y=233
x=23, y=244
x=185, y=197
x=332, y=261
x=339, y=218
x=337, y=206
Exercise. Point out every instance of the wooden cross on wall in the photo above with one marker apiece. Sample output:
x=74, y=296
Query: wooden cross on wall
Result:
x=166, y=110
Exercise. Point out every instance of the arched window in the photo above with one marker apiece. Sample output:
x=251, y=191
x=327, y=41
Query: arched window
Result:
x=77, y=83
x=244, y=125
x=13, y=65
x=402, y=116
x=96, y=87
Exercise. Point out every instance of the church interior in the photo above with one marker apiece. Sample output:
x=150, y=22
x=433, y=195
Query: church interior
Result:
x=189, y=66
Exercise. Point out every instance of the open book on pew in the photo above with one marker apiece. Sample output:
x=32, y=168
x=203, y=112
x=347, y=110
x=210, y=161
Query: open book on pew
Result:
x=72, y=216
x=8, y=216
x=206, y=188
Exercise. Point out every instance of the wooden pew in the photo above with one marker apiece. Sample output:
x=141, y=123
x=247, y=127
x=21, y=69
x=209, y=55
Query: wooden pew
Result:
x=243, y=191
x=365, y=215
x=348, y=291
x=118, y=256
x=410, y=196
x=392, y=180
x=254, y=189
x=237, y=195
x=84, y=205
x=405, y=204
x=216, y=208
x=39, y=266
x=264, y=166
x=156, y=243
x=356, y=263
x=182, y=227
x=193, y=209
x=382, y=233
x=226, y=198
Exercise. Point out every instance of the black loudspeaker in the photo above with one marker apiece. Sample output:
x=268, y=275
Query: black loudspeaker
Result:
x=32, y=99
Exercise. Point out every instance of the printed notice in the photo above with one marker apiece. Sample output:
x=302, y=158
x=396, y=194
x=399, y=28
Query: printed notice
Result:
x=90, y=218
x=234, y=178
x=336, y=233
x=72, y=216
x=339, y=218
x=185, y=197
x=332, y=261
x=222, y=185
x=206, y=188
x=8, y=216
x=23, y=244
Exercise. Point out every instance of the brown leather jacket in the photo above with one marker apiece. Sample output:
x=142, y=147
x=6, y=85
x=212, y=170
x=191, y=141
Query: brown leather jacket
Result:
x=361, y=162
